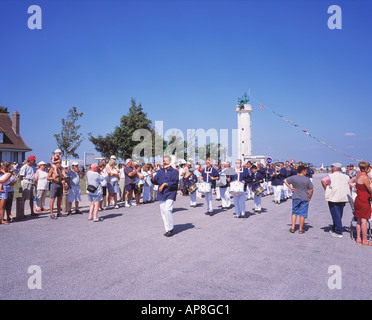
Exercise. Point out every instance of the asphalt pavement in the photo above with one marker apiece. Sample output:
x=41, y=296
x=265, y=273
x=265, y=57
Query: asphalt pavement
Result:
x=219, y=257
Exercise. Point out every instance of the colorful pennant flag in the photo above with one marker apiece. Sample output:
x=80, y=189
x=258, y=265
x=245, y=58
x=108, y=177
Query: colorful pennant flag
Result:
x=305, y=131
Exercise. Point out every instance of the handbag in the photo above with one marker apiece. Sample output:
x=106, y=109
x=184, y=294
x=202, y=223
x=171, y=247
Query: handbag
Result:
x=91, y=188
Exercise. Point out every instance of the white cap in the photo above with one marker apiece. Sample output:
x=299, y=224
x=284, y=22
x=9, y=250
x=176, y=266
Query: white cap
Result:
x=57, y=151
x=75, y=163
x=41, y=162
x=112, y=157
x=337, y=165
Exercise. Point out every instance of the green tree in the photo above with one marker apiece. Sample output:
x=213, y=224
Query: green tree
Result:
x=69, y=139
x=210, y=150
x=120, y=142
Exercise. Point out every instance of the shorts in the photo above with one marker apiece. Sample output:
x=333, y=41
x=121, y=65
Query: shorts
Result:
x=74, y=194
x=300, y=207
x=138, y=188
x=95, y=197
x=129, y=187
x=9, y=200
x=113, y=187
x=56, y=190
x=27, y=190
x=3, y=195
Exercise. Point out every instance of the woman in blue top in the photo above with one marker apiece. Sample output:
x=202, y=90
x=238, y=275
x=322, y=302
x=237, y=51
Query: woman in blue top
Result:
x=209, y=175
x=242, y=175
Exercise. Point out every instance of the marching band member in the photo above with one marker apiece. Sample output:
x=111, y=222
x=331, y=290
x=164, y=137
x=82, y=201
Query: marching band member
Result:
x=167, y=180
x=209, y=175
x=262, y=170
x=277, y=183
x=224, y=190
x=191, y=180
x=218, y=191
x=248, y=166
x=256, y=179
x=269, y=187
x=242, y=175
x=287, y=192
x=309, y=173
x=284, y=174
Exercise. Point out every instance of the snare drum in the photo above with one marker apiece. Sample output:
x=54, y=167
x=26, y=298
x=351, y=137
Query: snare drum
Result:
x=205, y=187
x=236, y=188
x=259, y=190
x=193, y=188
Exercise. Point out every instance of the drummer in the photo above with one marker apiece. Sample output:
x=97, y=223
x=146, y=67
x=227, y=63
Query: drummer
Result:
x=191, y=180
x=255, y=182
x=209, y=175
x=249, y=192
x=242, y=175
x=224, y=190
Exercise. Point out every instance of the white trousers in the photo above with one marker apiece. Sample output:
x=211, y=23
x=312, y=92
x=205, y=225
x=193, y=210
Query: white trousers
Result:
x=166, y=209
x=225, y=197
x=192, y=199
x=257, y=202
x=239, y=203
x=249, y=193
x=277, y=193
x=287, y=191
x=218, y=193
x=209, y=200
x=270, y=188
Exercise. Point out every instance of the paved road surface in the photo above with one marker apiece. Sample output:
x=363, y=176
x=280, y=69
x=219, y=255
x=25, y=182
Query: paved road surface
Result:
x=126, y=256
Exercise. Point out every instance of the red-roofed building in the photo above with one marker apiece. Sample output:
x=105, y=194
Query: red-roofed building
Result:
x=12, y=146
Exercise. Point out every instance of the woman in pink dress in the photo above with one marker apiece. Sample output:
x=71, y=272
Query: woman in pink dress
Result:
x=362, y=203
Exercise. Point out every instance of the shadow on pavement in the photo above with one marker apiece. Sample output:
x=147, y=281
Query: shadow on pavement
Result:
x=182, y=227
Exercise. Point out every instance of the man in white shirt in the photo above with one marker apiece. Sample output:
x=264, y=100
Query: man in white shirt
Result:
x=73, y=183
x=27, y=177
x=337, y=190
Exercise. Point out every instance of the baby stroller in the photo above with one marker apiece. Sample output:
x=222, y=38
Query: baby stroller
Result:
x=354, y=220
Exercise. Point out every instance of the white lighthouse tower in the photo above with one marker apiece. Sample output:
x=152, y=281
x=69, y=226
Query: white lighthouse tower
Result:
x=244, y=110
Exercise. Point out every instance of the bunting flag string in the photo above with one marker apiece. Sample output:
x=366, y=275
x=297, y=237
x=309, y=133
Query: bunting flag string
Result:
x=304, y=131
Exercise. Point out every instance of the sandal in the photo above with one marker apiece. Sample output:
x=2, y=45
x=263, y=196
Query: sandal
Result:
x=301, y=231
x=291, y=230
x=52, y=216
x=367, y=244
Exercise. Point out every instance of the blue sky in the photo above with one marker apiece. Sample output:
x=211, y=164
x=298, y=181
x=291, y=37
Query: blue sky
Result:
x=187, y=62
